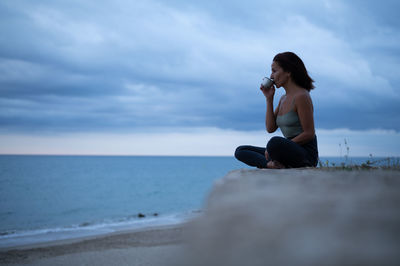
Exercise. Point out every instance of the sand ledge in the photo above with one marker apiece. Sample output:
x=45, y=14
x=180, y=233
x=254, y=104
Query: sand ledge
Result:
x=298, y=217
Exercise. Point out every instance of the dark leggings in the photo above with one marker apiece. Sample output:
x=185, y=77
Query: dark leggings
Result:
x=283, y=150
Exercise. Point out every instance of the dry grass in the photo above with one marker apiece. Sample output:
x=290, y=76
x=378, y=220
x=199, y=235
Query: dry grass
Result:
x=389, y=163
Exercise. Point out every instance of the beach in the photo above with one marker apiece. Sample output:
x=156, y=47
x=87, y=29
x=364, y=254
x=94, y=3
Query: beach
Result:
x=257, y=217
x=156, y=246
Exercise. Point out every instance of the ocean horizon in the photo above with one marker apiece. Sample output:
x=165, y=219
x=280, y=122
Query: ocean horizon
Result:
x=54, y=197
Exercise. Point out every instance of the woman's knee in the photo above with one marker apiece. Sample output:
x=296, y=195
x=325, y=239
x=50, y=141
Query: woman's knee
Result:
x=275, y=144
x=238, y=151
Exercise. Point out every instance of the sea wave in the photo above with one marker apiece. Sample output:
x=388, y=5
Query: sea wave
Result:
x=16, y=238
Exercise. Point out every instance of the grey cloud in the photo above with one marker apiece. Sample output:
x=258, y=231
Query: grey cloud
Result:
x=124, y=65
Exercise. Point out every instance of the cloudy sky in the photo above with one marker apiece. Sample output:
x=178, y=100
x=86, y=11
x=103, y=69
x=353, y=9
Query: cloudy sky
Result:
x=182, y=77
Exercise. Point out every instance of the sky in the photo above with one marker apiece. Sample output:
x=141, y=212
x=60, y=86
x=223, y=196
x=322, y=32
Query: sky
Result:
x=182, y=77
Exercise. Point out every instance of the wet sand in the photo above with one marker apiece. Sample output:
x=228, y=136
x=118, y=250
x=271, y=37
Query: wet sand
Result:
x=155, y=246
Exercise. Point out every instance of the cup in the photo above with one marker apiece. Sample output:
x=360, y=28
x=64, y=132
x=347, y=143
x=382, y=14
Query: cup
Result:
x=267, y=82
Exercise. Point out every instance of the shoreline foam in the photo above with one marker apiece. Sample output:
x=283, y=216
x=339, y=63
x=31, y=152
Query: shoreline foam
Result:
x=20, y=239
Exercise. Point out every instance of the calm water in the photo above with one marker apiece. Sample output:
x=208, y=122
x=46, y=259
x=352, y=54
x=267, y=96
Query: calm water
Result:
x=56, y=197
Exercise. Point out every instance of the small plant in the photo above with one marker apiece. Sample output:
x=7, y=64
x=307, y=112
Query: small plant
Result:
x=389, y=163
x=346, y=157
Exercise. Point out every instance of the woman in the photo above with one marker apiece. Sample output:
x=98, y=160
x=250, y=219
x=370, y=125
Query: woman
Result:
x=293, y=115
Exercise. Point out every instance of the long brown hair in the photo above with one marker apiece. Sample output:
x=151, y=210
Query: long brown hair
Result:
x=290, y=62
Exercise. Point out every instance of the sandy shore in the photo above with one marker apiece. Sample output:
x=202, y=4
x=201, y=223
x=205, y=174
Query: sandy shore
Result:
x=156, y=246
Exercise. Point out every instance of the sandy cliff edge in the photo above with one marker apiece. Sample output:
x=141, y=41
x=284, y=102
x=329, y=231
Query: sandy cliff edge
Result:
x=298, y=217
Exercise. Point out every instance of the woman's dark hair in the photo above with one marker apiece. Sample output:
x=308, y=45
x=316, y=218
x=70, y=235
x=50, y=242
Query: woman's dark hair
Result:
x=290, y=62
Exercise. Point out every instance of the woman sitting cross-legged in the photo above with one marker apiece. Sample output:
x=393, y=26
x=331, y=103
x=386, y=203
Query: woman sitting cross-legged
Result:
x=293, y=115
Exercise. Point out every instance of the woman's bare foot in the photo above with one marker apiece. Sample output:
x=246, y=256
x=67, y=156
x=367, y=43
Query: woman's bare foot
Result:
x=275, y=165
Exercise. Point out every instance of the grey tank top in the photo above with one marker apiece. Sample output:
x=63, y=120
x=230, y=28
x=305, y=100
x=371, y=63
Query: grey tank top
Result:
x=289, y=123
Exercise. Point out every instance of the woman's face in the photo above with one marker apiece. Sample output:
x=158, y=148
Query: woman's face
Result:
x=279, y=76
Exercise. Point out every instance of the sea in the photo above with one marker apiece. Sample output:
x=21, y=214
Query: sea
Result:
x=49, y=198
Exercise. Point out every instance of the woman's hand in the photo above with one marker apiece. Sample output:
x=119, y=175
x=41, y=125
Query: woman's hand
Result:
x=268, y=92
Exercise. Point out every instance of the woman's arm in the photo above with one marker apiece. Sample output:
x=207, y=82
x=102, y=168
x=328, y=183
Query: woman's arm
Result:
x=305, y=111
x=270, y=116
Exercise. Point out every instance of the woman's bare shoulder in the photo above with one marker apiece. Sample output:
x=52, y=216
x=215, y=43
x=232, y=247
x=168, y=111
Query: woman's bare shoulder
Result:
x=303, y=96
x=303, y=100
